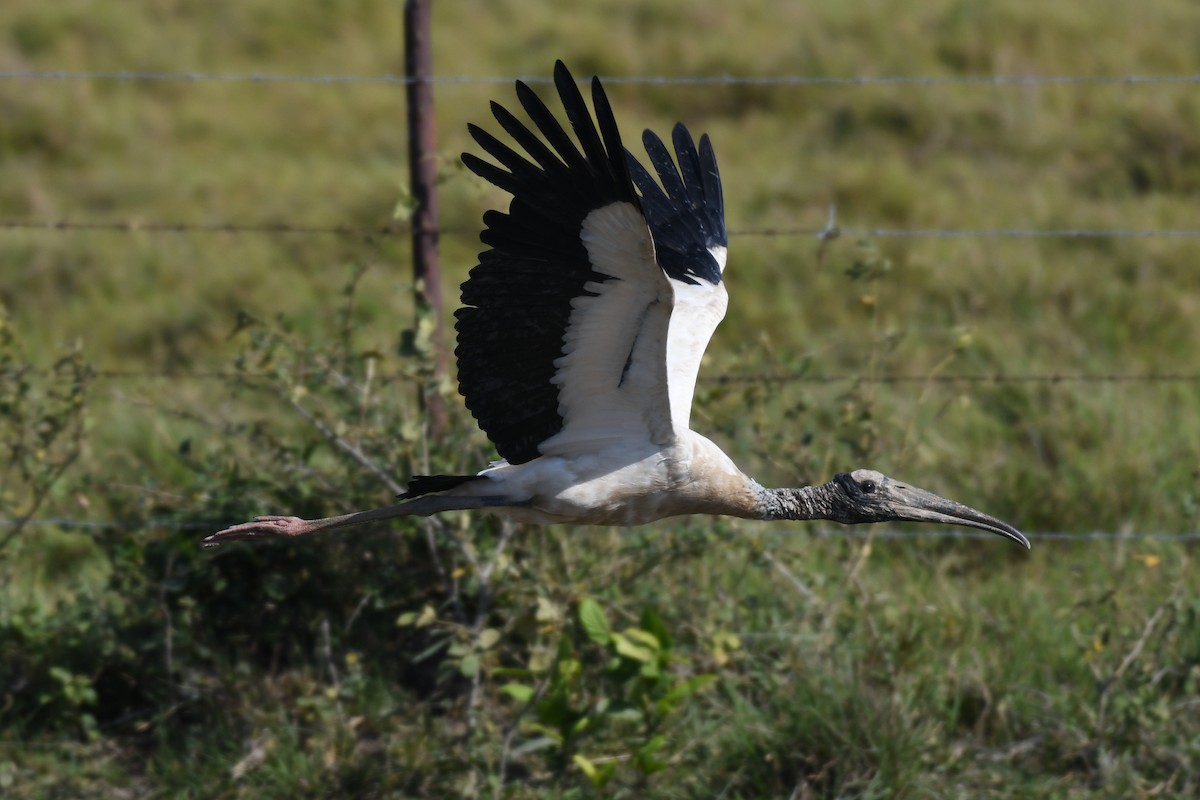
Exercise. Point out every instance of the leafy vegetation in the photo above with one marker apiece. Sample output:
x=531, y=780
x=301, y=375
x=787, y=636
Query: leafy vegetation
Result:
x=710, y=657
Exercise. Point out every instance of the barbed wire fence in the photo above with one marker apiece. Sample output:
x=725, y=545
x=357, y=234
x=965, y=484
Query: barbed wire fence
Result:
x=801, y=376
x=173, y=524
x=257, y=228
x=350, y=231
x=334, y=79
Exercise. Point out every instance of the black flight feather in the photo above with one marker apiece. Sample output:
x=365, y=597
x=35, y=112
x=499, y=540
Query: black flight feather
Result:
x=517, y=301
x=686, y=213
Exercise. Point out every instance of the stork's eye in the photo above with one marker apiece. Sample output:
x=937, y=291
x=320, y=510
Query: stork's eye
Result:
x=867, y=486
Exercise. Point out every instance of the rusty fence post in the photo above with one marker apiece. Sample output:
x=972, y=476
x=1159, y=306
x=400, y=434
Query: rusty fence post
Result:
x=422, y=163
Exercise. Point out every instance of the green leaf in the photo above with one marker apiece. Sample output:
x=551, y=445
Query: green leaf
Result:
x=512, y=672
x=404, y=208
x=433, y=649
x=469, y=667
x=568, y=668
x=630, y=650
x=585, y=766
x=555, y=710
x=427, y=617
x=546, y=732
x=683, y=690
x=541, y=743
x=652, y=746
x=598, y=774
x=645, y=637
x=540, y=661
x=626, y=714
x=654, y=624
x=488, y=638
x=547, y=611
x=518, y=691
x=644, y=758
x=591, y=616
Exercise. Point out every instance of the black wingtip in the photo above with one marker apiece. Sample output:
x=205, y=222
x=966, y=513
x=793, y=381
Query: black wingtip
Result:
x=563, y=76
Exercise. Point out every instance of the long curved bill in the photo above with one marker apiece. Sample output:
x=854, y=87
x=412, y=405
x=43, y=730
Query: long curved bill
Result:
x=918, y=505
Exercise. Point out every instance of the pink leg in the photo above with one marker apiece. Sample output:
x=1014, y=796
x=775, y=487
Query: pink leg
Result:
x=288, y=527
x=262, y=527
x=270, y=527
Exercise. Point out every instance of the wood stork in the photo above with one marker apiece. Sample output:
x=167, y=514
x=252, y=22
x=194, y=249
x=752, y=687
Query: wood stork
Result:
x=579, y=340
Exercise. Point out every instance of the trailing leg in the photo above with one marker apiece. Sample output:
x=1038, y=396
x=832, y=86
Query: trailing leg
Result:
x=290, y=527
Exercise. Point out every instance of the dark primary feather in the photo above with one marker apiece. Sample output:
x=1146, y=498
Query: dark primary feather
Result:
x=517, y=301
x=689, y=216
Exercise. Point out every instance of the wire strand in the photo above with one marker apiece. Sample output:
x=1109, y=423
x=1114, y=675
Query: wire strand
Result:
x=820, y=532
x=195, y=76
x=727, y=378
x=1054, y=377
x=353, y=231
x=67, y=226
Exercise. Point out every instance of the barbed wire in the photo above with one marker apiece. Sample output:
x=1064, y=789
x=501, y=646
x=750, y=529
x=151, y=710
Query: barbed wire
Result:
x=68, y=226
x=964, y=233
x=1046, y=536
x=801, y=376
x=1052, y=377
x=355, y=231
x=1015, y=80
x=170, y=523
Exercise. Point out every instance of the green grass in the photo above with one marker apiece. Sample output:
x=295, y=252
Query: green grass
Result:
x=133, y=662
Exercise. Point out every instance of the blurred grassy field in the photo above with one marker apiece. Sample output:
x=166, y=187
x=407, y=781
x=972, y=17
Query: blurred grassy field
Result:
x=844, y=667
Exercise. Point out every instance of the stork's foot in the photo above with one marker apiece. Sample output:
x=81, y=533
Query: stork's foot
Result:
x=260, y=528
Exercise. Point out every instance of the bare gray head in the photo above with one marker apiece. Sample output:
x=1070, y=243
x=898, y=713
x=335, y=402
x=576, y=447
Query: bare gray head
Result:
x=869, y=496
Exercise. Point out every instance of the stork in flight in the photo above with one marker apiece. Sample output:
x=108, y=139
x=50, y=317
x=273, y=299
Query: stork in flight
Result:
x=579, y=340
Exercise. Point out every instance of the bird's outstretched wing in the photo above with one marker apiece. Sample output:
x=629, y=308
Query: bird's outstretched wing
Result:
x=688, y=225
x=566, y=328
